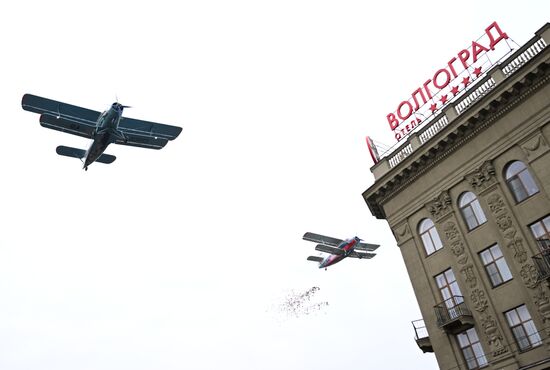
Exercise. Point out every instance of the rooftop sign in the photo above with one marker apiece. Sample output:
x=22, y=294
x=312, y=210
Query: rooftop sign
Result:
x=447, y=82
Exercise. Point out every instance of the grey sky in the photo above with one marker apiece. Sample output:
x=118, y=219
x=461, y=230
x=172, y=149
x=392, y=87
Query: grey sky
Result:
x=180, y=258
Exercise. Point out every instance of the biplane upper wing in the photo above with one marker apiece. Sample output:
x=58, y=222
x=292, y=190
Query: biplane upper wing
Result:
x=55, y=108
x=329, y=249
x=366, y=247
x=312, y=237
x=131, y=126
x=355, y=254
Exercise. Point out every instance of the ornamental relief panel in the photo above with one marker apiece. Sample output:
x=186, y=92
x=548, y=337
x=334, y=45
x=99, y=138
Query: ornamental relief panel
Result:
x=494, y=336
x=478, y=298
x=452, y=236
x=514, y=242
x=469, y=275
x=451, y=233
x=440, y=206
x=483, y=178
x=535, y=147
x=402, y=233
x=543, y=304
x=529, y=275
x=503, y=221
x=516, y=245
x=457, y=248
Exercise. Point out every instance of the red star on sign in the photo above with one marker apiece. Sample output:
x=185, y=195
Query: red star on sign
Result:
x=454, y=90
x=443, y=99
x=433, y=108
x=477, y=71
x=466, y=80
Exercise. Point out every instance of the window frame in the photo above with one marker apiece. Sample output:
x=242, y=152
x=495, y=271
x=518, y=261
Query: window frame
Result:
x=498, y=264
x=470, y=345
x=426, y=228
x=474, y=207
x=450, y=287
x=518, y=182
x=525, y=325
x=544, y=224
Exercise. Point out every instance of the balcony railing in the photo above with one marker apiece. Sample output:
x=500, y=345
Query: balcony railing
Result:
x=544, y=244
x=421, y=336
x=542, y=260
x=453, y=315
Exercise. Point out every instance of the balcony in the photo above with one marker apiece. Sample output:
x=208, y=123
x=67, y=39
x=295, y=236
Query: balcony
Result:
x=542, y=260
x=421, y=336
x=453, y=315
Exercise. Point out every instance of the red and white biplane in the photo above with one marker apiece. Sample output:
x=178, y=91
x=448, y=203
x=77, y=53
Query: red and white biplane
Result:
x=338, y=249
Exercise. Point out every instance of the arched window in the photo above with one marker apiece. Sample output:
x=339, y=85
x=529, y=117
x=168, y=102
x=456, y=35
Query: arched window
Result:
x=430, y=237
x=519, y=180
x=471, y=210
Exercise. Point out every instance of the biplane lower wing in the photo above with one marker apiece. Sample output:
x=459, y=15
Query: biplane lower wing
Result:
x=355, y=254
x=329, y=249
x=317, y=238
x=63, y=124
x=37, y=104
x=141, y=141
x=131, y=126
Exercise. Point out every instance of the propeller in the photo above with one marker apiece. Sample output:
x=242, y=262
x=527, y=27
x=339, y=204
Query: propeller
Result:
x=121, y=105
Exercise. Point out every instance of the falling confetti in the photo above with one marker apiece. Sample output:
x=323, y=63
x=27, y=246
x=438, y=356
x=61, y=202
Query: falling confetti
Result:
x=297, y=304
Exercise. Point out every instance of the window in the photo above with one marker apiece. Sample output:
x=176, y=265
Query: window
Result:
x=450, y=292
x=471, y=210
x=495, y=265
x=430, y=237
x=471, y=349
x=541, y=232
x=520, y=182
x=523, y=328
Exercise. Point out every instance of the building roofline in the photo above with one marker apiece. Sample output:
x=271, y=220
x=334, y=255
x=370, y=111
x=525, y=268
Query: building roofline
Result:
x=511, y=82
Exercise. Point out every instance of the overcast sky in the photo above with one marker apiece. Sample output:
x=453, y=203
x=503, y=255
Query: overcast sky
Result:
x=184, y=258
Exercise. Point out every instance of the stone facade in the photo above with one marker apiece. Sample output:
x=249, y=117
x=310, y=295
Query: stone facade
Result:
x=510, y=123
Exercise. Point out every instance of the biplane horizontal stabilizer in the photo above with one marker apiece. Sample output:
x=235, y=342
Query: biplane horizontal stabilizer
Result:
x=314, y=259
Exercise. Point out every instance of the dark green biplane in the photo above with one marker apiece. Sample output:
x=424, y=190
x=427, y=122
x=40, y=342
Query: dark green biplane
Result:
x=103, y=128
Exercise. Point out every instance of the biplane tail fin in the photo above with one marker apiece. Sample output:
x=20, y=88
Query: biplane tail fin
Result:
x=315, y=259
x=80, y=154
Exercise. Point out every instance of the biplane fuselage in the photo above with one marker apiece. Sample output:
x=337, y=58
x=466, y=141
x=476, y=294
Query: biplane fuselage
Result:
x=105, y=133
x=347, y=246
